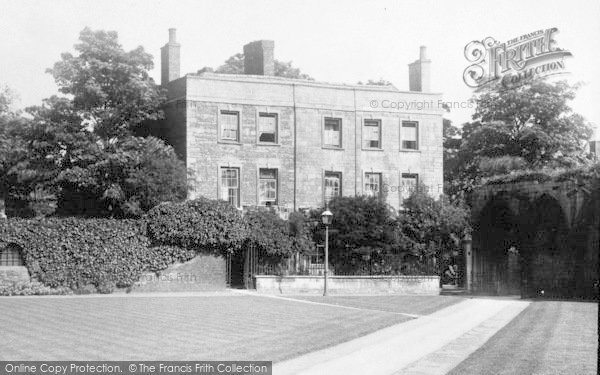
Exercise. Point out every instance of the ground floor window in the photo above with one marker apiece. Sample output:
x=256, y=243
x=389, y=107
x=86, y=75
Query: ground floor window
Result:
x=332, y=185
x=408, y=184
x=267, y=187
x=373, y=184
x=230, y=185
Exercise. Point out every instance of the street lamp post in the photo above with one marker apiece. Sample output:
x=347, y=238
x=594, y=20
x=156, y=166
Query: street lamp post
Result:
x=468, y=253
x=326, y=218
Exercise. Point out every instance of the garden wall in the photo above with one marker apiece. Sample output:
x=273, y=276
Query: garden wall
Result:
x=422, y=285
x=203, y=273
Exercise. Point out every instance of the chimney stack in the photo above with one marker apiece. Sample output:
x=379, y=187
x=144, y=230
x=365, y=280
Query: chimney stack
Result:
x=419, y=73
x=169, y=59
x=259, y=58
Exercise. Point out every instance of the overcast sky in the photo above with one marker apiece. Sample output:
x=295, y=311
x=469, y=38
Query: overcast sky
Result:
x=334, y=41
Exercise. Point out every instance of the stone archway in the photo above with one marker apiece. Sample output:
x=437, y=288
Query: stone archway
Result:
x=549, y=261
x=548, y=232
x=496, y=262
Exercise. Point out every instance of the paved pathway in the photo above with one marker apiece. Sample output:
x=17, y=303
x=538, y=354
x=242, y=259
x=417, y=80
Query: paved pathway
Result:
x=431, y=344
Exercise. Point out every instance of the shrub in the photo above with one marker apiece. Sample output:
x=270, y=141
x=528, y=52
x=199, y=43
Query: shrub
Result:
x=301, y=229
x=205, y=225
x=432, y=228
x=276, y=237
x=358, y=222
x=31, y=288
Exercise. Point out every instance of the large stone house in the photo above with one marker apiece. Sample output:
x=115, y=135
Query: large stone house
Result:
x=256, y=139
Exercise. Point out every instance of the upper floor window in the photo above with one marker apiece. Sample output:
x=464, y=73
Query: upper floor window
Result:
x=230, y=185
x=230, y=126
x=373, y=184
x=332, y=185
x=332, y=132
x=267, y=127
x=372, y=134
x=410, y=135
x=267, y=187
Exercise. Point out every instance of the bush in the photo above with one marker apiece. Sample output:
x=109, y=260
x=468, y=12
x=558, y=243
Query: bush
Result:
x=32, y=288
x=367, y=238
x=301, y=229
x=205, y=225
x=274, y=236
x=358, y=222
x=433, y=229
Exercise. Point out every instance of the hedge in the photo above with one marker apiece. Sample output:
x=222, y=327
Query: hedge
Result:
x=584, y=173
x=88, y=255
x=75, y=252
x=205, y=225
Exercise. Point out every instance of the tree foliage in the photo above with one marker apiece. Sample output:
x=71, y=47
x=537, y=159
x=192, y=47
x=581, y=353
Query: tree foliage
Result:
x=368, y=237
x=235, y=65
x=111, y=88
x=361, y=222
x=13, y=148
x=531, y=125
x=127, y=178
x=379, y=82
x=433, y=227
x=79, y=151
x=363, y=227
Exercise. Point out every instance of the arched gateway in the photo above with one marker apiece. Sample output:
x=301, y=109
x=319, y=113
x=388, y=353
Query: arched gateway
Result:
x=535, y=240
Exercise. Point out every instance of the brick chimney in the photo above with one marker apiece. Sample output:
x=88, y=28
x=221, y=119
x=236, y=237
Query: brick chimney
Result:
x=259, y=58
x=169, y=59
x=419, y=73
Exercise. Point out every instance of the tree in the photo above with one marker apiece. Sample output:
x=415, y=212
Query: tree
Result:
x=235, y=65
x=12, y=145
x=529, y=126
x=451, y=142
x=79, y=151
x=111, y=88
x=126, y=179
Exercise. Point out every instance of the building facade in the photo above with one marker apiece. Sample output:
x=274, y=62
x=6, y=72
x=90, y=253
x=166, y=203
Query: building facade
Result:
x=254, y=139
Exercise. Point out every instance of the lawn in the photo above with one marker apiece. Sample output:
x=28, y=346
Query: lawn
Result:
x=549, y=337
x=182, y=328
